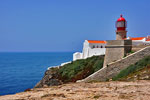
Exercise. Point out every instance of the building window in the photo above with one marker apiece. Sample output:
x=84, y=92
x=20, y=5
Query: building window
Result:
x=101, y=46
x=93, y=46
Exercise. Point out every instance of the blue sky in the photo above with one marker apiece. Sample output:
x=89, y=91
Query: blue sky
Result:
x=63, y=25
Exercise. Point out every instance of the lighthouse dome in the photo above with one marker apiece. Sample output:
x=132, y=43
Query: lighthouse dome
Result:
x=121, y=23
x=121, y=19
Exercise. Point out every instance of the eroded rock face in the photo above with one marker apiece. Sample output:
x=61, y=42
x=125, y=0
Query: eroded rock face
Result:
x=50, y=79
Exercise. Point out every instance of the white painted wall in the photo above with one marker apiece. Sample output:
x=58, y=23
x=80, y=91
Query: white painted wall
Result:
x=137, y=42
x=89, y=50
x=140, y=42
x=96, y=51
x=77, y=55
x=147, y=43
x=85, y=50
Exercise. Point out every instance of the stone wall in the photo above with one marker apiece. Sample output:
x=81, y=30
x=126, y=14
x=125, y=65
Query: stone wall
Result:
x=116, y=49
x=115, y=67
x=138, y=47
x=120, y=35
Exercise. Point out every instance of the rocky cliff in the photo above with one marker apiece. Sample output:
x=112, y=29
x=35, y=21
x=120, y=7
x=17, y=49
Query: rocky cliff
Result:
x=71, y=72
x=50, y=78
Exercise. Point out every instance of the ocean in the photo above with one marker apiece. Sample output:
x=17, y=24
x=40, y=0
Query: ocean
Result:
x=20, y=71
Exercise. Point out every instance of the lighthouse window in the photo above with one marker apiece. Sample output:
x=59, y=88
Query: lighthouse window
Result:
x=97, y=46
x=121, y=24
x=101, y=46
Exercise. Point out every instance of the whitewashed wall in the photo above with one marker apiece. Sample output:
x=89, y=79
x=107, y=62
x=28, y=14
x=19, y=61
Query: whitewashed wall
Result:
x=85, y=50
x=77, y=55
x=147, y=43
x=89, y=50
x=96, y=51
x=137, y=42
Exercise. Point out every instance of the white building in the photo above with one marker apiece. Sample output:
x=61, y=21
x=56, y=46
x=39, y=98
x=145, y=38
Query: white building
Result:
x=90, y=48
x=140, y=40
x=96, y=47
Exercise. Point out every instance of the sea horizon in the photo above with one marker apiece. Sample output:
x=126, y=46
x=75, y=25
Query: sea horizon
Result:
x=23, y=70
x=36, y=51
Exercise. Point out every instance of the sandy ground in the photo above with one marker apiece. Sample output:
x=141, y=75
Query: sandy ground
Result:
x=138, y=90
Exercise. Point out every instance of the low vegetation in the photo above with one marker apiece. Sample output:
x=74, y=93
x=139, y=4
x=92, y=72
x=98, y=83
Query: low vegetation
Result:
x=80, y=69
x=132, y=69
x=71, y=72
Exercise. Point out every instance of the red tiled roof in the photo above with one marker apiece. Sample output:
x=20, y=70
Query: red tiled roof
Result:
x=137, y=38
x=147, y=39
x=96, y=41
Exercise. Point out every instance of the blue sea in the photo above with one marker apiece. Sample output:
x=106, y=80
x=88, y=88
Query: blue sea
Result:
x=20, y=71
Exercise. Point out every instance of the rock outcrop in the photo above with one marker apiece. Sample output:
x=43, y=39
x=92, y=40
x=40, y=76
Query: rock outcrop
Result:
x=50, y=78
x=137, y=90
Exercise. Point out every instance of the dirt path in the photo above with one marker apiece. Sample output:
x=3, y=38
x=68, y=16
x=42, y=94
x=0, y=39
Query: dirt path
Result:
x=139, y=90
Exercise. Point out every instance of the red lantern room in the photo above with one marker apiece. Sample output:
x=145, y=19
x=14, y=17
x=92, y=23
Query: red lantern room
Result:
x=121, y=24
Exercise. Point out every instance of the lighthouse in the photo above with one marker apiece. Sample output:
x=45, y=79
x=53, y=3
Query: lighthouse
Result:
x=119, y=48
x=121, y=25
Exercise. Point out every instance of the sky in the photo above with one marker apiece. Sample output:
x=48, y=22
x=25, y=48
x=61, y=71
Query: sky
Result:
x=63, y=25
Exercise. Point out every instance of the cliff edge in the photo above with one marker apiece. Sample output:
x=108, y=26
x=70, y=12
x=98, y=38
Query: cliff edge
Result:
x=71, y=72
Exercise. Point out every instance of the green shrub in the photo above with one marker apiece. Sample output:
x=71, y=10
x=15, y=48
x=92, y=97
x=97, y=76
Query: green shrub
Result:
x=131, y=52
x=81, y=68
x=133, y=68
x=98, y=65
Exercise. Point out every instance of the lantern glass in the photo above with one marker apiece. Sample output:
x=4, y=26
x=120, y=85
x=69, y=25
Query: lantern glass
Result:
x=121, y=24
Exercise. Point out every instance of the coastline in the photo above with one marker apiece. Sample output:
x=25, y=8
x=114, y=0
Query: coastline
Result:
x=23, y=70
x=62, y=64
